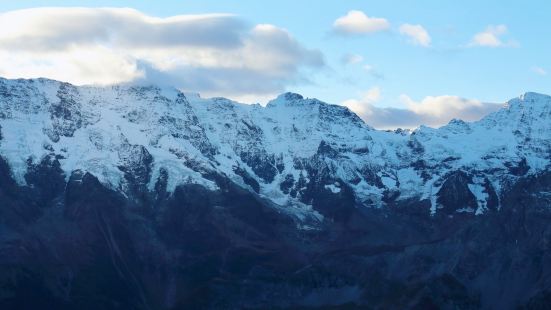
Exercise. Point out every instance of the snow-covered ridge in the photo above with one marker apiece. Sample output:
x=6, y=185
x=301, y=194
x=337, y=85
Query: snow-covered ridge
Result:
x=285, y=151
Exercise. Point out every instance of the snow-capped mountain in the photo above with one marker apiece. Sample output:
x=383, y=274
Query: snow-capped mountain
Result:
x=287, y=151
x=185, y=202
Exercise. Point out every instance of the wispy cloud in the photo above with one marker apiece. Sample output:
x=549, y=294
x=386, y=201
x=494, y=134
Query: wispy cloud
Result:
x=539, y=70
x=358, y=60
x=492, y=37
x=358, y=23
x=352, y=59
x=373, y=71
x=216, y=54
x=417, y=34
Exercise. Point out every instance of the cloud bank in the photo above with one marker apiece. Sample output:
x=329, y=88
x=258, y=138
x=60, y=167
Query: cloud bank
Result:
x=215, y=54
x=433, y=111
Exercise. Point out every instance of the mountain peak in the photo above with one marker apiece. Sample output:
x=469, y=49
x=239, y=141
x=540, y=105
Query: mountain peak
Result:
x=534, y=97
x=289, y=96
x=286, y=98
x=529, y=103
x=530, y=98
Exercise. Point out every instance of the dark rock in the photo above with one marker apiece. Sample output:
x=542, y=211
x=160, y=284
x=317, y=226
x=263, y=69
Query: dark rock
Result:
x=287, y=184
x=47, y=179
x=261, y=163
x=326, y=150
x=65, y=113
x=161, y=185
x=518, y=169
x=492, y=203
x=416, y=147
x=247, y=178
x=455, y=194
x=292, y=96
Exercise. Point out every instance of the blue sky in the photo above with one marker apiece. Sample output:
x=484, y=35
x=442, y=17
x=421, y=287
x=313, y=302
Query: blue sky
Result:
x=394, y=72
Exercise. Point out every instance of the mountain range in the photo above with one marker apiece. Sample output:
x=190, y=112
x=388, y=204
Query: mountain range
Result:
x=146, y=197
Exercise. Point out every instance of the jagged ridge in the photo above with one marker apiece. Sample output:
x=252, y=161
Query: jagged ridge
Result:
x=288, y=151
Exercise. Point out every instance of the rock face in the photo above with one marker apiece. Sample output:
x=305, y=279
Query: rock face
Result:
x=140, y=197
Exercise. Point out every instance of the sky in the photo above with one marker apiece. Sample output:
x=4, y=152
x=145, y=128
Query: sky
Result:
x=394, y=63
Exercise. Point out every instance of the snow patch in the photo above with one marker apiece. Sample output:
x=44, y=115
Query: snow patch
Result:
x=334, y=188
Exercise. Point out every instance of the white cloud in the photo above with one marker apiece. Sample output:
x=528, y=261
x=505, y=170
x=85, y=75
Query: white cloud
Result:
x=352, y=59
x=363, y=106
x=539, y=70
x=491, y=37
x=357, y=22
x=215, y=54
x=417, y=34
x=432, y=111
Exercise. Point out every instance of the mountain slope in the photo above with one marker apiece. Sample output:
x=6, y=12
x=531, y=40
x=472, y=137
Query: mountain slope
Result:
x=147, y=197
x=274, y=150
